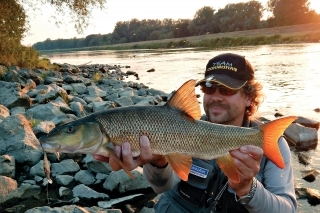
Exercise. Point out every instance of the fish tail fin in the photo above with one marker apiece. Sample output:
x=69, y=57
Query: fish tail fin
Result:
x=180, y=164
x=272, y=131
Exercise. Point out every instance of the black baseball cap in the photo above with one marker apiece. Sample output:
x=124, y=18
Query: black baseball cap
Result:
x=228, y=69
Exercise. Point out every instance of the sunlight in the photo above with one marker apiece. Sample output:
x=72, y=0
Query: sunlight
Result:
x=315, y=4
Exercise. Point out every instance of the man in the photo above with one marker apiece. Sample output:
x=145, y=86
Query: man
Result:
x=231, y=97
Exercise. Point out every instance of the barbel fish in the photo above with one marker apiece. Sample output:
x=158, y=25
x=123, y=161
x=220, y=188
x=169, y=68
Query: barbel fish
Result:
x=174, y=130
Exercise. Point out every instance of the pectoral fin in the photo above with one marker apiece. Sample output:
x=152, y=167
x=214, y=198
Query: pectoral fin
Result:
x=110, y=149
x=180, y=164
x=229, y=168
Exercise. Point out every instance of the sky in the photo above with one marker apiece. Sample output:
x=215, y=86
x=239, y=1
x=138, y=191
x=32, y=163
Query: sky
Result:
x=103, y=22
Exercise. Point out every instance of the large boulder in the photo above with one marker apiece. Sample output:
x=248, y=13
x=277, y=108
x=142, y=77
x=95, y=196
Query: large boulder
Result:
x=18, y=140
x=12, y=96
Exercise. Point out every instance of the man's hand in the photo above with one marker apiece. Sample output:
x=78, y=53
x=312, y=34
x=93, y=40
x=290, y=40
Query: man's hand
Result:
x=247, y=160
x=125, y=154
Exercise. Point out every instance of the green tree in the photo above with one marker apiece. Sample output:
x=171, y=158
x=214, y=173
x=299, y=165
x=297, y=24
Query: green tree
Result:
x=290, y=12
x=239, y=16
x=203, y=21
x=13, y=26
x=181, y=28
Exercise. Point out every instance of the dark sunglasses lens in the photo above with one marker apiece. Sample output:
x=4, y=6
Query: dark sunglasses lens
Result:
x=208, y=90
x=222, y=90
x=226, y=91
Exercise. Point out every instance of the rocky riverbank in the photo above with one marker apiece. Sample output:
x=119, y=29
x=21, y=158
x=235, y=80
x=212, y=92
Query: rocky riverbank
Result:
x=32, y=102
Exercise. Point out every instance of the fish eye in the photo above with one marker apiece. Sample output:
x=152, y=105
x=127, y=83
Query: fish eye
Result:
x=70, y=129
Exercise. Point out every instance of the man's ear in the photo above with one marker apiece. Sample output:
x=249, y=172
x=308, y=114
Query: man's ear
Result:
x=248, y=101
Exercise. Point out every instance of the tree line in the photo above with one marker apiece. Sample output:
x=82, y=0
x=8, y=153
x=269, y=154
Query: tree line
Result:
x=207, y=20
x=15, y=14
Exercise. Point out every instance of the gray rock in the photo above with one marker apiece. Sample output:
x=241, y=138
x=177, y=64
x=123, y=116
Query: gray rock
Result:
x=142, y=92
x=127, y=93
x=37, y=170
x=72, y=209
x=18, y=140
x=29, y=182
x=97, y=166
x=310, y=175
x=44, y=112
x=308, y=122
x=72, y=79
x=11, y=95
x=124, y=101
x=301, y=136
x=96, y=91
x=79, y=88
x=14, y=76
x=4, y=112
x=64, y=180
x=313, y=196
x=78, y=108
x=7, y=185
x=90, y=99
x=30, y=74
x=8, y=166
x=84, y=192
x=64, y=167
x=17, y=110
x=59, y=102
x=112, y=97
x=110, y=203
x=63, y=191
x=68, y=88
x=100, y=106
x=23, y=192
x=85, y=177
x=80, y=100
x=52, y=80
x=43, y=127
x=121, y=182
x=62, y=119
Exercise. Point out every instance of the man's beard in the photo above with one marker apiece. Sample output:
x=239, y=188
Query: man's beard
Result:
x=221, y=120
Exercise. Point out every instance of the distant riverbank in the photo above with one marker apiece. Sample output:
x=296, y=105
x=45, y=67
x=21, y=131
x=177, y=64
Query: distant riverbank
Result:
x=305, y=33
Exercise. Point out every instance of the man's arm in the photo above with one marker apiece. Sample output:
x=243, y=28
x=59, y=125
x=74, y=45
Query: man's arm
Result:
x=277, y=194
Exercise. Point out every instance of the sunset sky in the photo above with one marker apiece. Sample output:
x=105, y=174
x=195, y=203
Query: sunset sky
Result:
x=103, y=22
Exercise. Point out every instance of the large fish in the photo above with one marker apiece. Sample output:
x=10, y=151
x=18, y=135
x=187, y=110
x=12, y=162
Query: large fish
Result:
x=174, y=130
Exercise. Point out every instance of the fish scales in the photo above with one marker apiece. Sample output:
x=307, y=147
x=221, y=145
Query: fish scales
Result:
x=169, y=132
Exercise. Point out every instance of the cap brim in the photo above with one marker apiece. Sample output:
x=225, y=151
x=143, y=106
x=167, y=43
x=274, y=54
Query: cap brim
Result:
x=226, y=81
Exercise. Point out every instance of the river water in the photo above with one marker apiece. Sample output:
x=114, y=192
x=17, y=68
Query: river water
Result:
x=290, y=74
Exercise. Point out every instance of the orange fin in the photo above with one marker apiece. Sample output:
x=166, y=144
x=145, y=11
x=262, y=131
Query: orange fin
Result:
x=185, y=99
x=272, y=131
x=229, y=168
x=180, y=164
x=110, y=149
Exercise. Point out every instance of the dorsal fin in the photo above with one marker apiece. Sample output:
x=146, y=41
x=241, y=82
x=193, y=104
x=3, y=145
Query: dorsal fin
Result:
x=185, y=99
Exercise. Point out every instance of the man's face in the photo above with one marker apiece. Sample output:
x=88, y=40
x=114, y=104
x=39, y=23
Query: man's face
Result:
x=225, y=109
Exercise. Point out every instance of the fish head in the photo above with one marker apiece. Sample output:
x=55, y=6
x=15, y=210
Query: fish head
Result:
x=74, y=137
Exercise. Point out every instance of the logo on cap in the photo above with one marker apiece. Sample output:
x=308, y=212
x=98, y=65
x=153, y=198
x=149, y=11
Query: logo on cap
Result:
x=222, y=65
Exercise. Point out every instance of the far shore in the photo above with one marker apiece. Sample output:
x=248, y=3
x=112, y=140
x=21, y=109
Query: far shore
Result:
x=305, y=33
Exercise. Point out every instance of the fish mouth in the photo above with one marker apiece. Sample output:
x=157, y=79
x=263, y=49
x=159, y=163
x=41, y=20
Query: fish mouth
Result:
x=49, y=148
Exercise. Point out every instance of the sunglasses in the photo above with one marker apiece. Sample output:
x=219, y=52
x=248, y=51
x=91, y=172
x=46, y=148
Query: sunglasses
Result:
x=225, y=91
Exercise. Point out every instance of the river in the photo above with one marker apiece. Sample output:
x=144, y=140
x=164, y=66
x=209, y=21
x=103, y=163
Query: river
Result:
x=290, y=74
